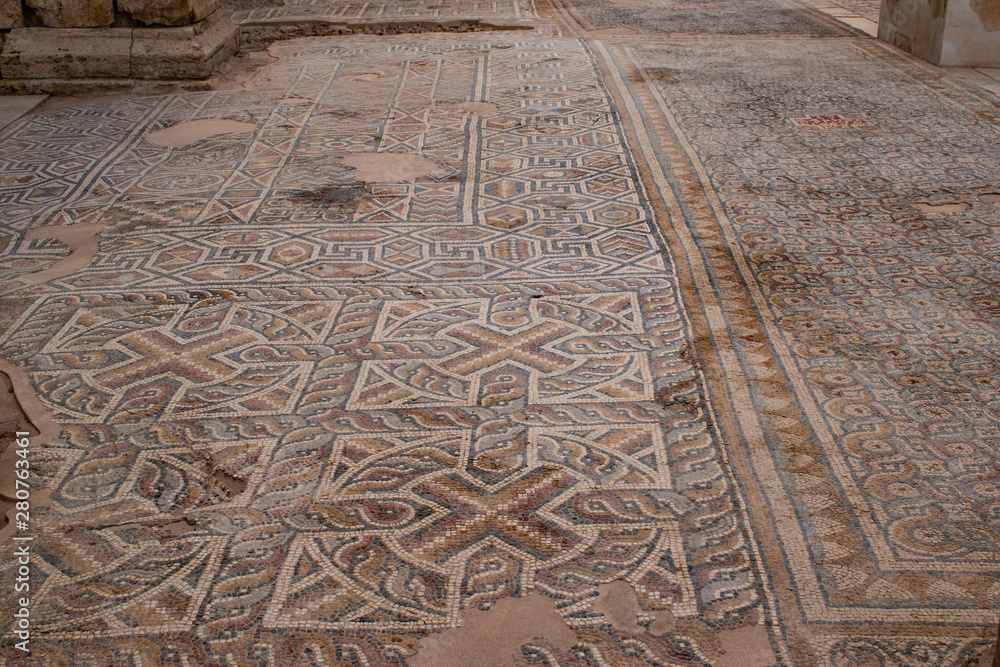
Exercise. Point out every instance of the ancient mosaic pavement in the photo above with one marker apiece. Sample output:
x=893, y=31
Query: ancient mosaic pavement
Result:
x=403, y=11
x=723, y=334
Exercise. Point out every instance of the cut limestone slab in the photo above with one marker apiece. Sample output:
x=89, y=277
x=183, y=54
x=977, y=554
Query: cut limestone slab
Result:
x=13, y=107
x=52, y=53
x=189, y=52
x=10, y=14
x=74, y=13
x=169, y=12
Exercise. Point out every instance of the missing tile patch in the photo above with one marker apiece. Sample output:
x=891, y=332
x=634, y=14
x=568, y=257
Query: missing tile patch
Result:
x=481, y=108
x=84, y=242
x=232, y=485
x=20, y=410
x=178, y=528
x=748, y=646
x=492, y=638
x=745, y=647
x=389, y=167
x=620, y=605
x=956, y=207
x=189, y=132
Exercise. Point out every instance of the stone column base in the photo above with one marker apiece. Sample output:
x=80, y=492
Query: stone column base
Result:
x=55, y=60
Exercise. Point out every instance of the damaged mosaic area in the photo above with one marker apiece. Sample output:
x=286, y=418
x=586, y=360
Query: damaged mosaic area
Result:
x=539, y=347
x=376, y=407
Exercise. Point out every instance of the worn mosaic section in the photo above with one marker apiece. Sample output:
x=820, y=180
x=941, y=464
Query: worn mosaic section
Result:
x=709, y=17
x=306, y=414
x=868, y=238
x=383, y=11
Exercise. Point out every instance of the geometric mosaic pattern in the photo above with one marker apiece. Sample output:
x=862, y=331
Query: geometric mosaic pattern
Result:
x=121, y=365
x=387, y=11
x=456, y=376
x=537, y=352
x=879, y=426
x=640, y=324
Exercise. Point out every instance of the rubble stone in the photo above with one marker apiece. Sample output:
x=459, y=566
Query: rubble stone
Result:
x=169, y=12
x=10, y=14
x=74, y=13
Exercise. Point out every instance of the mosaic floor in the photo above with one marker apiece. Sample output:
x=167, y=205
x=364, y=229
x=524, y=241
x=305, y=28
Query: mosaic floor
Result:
x=389, y=10
x=664, y=350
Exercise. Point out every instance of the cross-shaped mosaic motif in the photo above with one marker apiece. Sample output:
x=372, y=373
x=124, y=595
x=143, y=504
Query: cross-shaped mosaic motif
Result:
x=467, y=352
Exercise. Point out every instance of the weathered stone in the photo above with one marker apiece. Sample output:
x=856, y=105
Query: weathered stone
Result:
x=190, y=52
x=10, y=14
x=916, y=26
x=169, y=12
x=44, y=53
x=74, y=13
x=958, y=33
x=989, y=13
x=971, y=38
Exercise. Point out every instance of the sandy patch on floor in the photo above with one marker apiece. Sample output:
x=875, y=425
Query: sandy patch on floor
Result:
x=389, y=167
x=192, y=131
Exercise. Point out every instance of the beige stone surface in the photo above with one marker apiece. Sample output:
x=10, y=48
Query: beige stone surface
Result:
x=961, y=33
x=862, y=24
x=916, y=26
x=74, y=13
x=10, y=14
x=493, y=637
x=44, y=53
x=13, y=107
x=989, y=13
x=971, y=38
x=83, y=240
x=654, y=216
x=189, y=52
x=389, y=167
x=169, y=12
x=191, y=132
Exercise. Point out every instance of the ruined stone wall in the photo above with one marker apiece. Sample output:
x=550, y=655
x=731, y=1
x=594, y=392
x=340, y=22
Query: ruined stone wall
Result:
x=45, y=42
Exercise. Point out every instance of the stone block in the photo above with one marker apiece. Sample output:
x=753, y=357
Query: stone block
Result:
x=56, y=53
x=957, y=33
x=169, y=12
x=74, y=13
x=916, y=26
x=972, y=34
x=10, y=14
x=190, y=52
